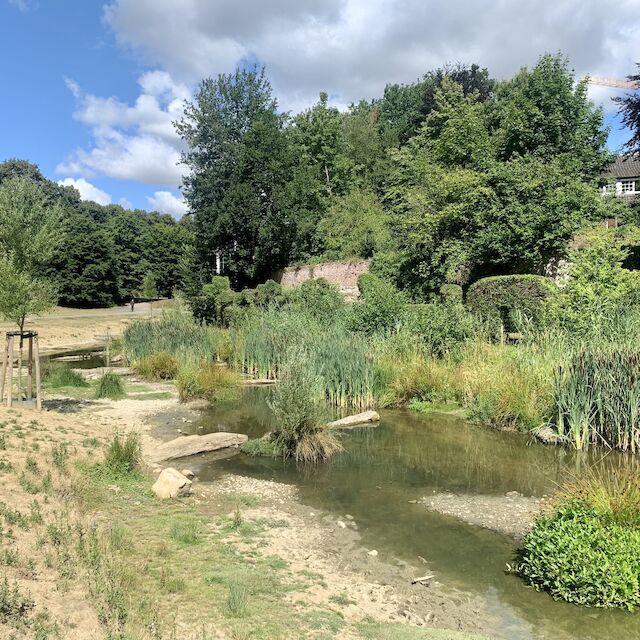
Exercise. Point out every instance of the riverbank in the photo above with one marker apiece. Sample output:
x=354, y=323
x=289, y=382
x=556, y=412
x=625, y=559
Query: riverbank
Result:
x=241, y=558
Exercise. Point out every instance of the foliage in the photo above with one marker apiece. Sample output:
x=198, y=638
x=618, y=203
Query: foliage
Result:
x=597, y=398
x=356, y=226
x=499, y=299
x=318, y=298
x=381, y=306
x=266, y=447
x=149, y=286
x=209, y=381
x=598, y=286
x=300, y=430
x=629, y=109
x=59, y=375
x=110, y=386
x=587, y=550
x=21, y=294
x=158, y=366
x=442, y=326
x=123, y=453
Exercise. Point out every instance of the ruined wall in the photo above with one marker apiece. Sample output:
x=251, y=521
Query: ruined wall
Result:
x=343, y=274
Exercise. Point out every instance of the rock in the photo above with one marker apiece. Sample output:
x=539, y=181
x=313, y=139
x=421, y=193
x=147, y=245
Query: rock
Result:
x=357, y=420
x=171, y=484
x=341, y=524
x=373, y=553
x=190, y=445
x=187, y=473
x=547, y=435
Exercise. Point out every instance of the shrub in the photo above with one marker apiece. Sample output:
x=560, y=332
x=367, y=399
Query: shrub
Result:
x=265, y=447
x=381, y=307
x=159, y=366
x=299, y=417
x=579, y=555
x=442, y=327
x=59, y=375
x=499, y=299
x=451, y=293
x=110, y=386
x=212, y=302
x=269, y=294
x=318, y=297
x=207, y=381
x=123, y=453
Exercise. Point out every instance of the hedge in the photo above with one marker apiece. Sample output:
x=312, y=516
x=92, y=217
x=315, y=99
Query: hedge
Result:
x=495, y=299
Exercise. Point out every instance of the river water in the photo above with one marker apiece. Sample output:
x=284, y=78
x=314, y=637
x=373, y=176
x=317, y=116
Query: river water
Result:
x=409, y=456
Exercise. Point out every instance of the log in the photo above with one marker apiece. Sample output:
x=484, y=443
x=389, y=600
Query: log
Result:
x=358, y=420
x=422, y=579
x=191, y=445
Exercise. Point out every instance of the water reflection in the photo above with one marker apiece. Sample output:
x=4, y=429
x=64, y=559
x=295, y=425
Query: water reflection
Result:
x=409, y=456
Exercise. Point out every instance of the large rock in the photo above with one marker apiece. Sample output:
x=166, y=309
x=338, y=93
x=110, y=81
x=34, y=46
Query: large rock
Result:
x=358, y=420
x=190, y=445
x=171, y=484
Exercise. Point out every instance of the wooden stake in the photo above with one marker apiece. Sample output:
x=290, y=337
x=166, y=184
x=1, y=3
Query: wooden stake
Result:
x=10, y=376
x=5, y=355
x=30, y=370
x=36, y=354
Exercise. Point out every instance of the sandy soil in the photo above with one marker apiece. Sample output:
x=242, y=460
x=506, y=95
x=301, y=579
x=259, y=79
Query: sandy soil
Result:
x=66, y=329
x=379, y=588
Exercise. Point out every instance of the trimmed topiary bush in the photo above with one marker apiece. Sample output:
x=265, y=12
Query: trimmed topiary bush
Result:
x=451, y=293
x=498, y=298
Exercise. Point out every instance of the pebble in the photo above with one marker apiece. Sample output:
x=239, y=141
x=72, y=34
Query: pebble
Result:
x=341, y=524
x=373, y=553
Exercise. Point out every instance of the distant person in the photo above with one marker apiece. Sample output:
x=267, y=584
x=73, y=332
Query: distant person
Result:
x=133, y=304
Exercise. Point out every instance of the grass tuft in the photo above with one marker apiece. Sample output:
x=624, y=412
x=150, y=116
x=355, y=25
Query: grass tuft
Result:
x=110, y=386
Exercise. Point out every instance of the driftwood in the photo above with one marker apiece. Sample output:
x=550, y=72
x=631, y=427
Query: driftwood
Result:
x=358, y=420
x=422, y=579
x=190, y=445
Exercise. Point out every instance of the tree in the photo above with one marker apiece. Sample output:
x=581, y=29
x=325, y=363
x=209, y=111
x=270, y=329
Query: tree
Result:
x=544, y=112
x=354, y=227
x=239, y=163
x=629, y=109
x=150, y=288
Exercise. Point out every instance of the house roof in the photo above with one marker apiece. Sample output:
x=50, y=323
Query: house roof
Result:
x=624, y=167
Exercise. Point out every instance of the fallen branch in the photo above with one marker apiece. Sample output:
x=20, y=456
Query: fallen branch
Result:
x=422, y=579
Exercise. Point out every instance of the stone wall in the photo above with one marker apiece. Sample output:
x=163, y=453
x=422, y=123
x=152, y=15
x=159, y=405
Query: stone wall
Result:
x=343, y=274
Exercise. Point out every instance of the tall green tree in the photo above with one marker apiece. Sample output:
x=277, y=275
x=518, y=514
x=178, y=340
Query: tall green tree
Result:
x=239, y=163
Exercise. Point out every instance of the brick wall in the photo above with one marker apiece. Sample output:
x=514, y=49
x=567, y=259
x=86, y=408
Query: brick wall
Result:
x=343, y=274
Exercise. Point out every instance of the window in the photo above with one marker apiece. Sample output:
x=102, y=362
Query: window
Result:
x=628, y=186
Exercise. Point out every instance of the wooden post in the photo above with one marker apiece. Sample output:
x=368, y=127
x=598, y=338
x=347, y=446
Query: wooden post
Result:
x=5, y=355
x=10, y=376
x=30, y=370
x=36, y=354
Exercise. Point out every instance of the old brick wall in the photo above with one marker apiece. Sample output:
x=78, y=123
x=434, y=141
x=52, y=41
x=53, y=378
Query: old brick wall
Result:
x=343, y=274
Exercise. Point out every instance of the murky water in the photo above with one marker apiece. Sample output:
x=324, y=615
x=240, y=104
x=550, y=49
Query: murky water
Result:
x=78, y=358
x=409, y=456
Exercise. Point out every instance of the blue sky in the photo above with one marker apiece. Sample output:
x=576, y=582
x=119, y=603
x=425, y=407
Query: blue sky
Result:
x=91, y=86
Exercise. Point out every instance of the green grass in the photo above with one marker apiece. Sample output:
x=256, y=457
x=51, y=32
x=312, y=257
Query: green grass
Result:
x=186, y=532
x=110, y=386
x=393, y=631
x=58, y=376
x=123, y=453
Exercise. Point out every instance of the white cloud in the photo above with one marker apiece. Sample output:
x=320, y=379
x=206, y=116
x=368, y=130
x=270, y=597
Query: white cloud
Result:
x=352, y=48
x=166, y=202
x=132, y=142
x=21, y=5
x=87, y=190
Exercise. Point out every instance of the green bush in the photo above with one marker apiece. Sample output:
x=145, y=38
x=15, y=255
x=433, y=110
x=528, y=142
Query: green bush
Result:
x=451, y=293
x=499, y=299
x=579, y=555
x=207, y=381
x=215, y=298
x=442, y=327
x=59, y=375
x=265, y=447
x=318, y=297
x=110, y=386
x=159, y=366
x=381, y=307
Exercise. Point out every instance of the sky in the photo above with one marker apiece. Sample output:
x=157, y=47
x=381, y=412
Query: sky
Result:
x=92, y=86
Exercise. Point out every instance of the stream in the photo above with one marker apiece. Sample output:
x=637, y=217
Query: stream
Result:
x=408, y=457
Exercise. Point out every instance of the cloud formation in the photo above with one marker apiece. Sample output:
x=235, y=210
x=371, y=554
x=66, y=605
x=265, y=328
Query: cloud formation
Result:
x=352, y=48
x=131, y=142
x=166, y=202
x=87, y=190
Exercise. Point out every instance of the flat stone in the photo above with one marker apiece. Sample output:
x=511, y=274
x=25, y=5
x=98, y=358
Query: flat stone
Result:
x=190, y=445
x=187, y=473
x=358, y=420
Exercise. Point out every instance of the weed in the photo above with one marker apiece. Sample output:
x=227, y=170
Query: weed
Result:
x=3, y=441
x=238, y=598
x=171, y=584
x=110, y=386
x=14, y=606
x=123, y=453
x=158, y=366
x=59, y=375
x=186, y=532
x=60, y=455
x=342, y=599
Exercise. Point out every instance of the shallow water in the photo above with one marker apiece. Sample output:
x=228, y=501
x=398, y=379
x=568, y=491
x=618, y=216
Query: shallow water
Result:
x=409, y=456
x=78, y=358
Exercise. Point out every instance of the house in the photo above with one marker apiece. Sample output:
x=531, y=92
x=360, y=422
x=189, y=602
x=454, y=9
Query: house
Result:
x=623, y=177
